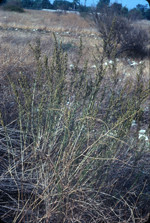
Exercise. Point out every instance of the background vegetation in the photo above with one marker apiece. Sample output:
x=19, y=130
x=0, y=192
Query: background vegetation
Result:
x=139, y=12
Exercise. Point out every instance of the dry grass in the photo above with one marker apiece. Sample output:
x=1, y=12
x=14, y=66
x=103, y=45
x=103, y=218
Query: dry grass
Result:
x=144, y=24
x=15, y=50
x=16, y=53
x=45, y=20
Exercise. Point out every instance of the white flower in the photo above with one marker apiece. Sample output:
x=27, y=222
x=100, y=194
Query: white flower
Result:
x=127, y=74
x=142, y=131
x=147, y=109
x=105, y=63
x=113, y=134
x=133, y=64
x=141, y=62
x=111, y=62
x=133, y=123
x=71, y=66
x=93, y=66
x=143, y=136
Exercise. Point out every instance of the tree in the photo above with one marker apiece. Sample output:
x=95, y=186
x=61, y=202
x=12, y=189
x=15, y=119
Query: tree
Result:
x=142, y=9
x=148, y=2
x=103, y=4
x=13, y=5
x=37, y=4
x=27, y=3
x=116, y=7
x=83, y=9
x=147, y=14
x=63, y=5
x=46, y=4
x=124, y=11
x=2, y=1
x=76, y=4
x=135, y=14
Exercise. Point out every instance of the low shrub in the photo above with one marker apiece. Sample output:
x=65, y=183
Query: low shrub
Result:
x=120, y=37
x=68, y=156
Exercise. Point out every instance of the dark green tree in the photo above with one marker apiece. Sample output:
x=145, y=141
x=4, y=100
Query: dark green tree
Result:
x=32, y=4
x=3, y=1
x=148, y=2
x=62, y=5
x=76, y=4
x=83, y=9
x=142, y=9
x=116, y=7
x=46, y=4
x=135, y=14
x=103, y=4
x=124, y=11
x=37, y=4
x=147, y=14
x=27, y=3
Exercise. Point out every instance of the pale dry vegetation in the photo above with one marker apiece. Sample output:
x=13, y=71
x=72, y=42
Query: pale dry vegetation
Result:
x=44, y=20
x=74, y=125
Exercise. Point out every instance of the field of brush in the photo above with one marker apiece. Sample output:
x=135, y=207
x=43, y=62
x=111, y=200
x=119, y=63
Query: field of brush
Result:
x=74, y=124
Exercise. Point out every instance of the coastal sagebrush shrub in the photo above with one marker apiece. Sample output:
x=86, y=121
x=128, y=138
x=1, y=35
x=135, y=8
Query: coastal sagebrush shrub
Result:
x=69, y=149
x=120, y=37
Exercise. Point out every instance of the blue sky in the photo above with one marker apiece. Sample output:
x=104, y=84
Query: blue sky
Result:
x=129, y=3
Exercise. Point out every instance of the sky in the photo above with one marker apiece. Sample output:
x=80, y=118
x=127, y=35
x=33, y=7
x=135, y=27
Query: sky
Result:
x=128, y=3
